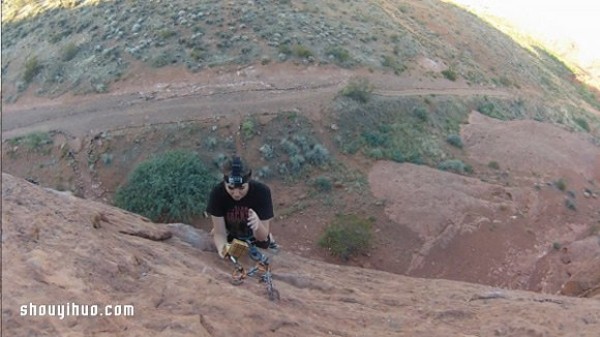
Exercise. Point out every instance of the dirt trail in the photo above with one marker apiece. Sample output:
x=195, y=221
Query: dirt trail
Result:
x=205, y=97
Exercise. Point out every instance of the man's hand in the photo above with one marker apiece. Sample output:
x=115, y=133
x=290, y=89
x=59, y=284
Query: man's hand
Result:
x=253, y=220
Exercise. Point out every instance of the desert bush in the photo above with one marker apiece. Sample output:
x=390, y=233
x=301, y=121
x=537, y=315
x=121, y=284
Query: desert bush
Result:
x=35, y=141
x=107, y=158
x=450, y=74
x=420, y=113
x=171, y=187
x=358, y=89
x=211, y=143
x=323, y=184
x=301, y=51
x=582, y=123
x=297, y=162
x=347, y=235
x=248, y=128
x=290, y=147
x=70, y=51
x=561, y=184
x=376, y=153
x=456, y=166
x=318, y=155
x=393, y=63
x=32, y=68
x=264, y=172
x=267, y=151
x=494, y=165
x=339, y=54
x=455, y=141
x=570, y=204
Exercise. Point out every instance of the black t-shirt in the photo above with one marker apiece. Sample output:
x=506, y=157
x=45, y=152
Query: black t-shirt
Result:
x=258, y=198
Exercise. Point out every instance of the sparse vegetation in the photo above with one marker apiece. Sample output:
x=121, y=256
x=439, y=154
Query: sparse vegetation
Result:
x=456, y=166
x=582, y=123
x=455, y=141
x=393, y=63
x=561, y=184
x=171, y=187
x=323, y=184
x=70, y=51
x=35, y=141
x=248, y=128
x=32, y=68
x=570, y=204
x=450, y=74
x=494, y=165
x=359, y=90
x=301, y=51
x=340, y=55
x=347, y=235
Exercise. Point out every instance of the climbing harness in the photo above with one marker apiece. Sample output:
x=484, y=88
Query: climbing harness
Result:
x=262, y=269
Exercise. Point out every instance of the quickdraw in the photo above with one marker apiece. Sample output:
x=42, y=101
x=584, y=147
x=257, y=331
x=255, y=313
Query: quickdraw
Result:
x=262, y=269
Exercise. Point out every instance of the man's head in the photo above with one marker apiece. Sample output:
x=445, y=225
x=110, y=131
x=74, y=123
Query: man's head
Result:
x=236, y=175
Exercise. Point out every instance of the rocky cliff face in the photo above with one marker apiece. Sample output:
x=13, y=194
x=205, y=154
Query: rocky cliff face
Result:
x=59, y=251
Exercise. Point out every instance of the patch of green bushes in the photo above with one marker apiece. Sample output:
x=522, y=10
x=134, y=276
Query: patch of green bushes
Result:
x=170, y=187
x=456, y=166
x=359, y=89
x=455, y=141
x=32, y=68
x=347, y=235
x=450, y=74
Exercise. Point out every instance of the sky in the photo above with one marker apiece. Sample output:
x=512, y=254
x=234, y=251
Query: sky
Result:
x=573, y=20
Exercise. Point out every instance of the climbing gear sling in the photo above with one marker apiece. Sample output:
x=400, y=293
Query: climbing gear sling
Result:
x=262, y=269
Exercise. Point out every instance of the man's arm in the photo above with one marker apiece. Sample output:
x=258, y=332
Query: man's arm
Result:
x=219, y=233
x=260, y=228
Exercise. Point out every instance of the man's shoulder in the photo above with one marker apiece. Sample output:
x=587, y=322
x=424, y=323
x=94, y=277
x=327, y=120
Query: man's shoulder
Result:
x=259, y=186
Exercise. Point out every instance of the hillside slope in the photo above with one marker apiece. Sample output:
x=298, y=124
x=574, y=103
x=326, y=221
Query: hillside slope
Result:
x=58, y=249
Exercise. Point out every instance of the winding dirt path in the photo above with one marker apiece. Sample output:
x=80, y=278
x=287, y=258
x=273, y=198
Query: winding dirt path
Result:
x=207, y=96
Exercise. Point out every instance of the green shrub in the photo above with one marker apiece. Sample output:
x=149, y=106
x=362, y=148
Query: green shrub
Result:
x=166, y=33
x=582, y=123
x=570, y=204
x=32, y=68
x=34, y=141
x=297, y=162
x=323, y=184
x=248, y=128
x=456, y=166
x=290, y=147
x=70, y=52
x=347, y=235
x=561, y=184
x=455, y=141
x=171, y=187
x=392, y=62
x=285, y=49
x=420, y=113
x=318, y=155
x=494, y=165
x=359, y=90
x=449, y=74
x=302, y=51
x=376, y=153
x=341, y=55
